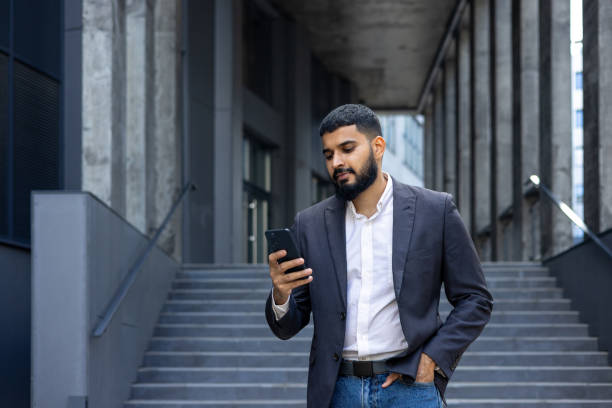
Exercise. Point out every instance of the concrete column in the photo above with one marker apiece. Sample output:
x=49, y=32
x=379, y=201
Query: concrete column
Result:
x=526, y=122
x=597, y=64
x=302, y=120
x=227, y=196
x=103, y=113
x=450, y=121
x=198, y=95
x=428, y=136
x=464, y=123
x=555, y=123
x=163, y=145
x=438, y=147
x=481, y=124
x=139, y=16
x=502, y=162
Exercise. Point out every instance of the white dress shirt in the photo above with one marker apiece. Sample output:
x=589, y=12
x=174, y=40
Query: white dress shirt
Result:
x=373, y=329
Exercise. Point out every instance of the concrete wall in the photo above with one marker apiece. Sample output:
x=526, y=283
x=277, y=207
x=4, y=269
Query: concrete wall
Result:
x=81, y=249
x=588, y=288
x=15, y=314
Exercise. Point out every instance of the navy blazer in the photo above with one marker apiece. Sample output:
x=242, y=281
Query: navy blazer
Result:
x=431, y=246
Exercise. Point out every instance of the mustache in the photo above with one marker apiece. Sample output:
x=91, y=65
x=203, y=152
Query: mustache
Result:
x=346, y=170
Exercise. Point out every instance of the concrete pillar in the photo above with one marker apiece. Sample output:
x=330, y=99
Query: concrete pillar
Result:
x=481, y=124
x=103, y=113
x=502, y=162
x=139, y=16
x=438, y=145
x=227, y=191
x=597, y=57
x=428, y=136
x=302, y=120
x=450, y=121
x=464, y=123
x=526, y=123
x=555, y=123
x=198, y=96
x=163, y=145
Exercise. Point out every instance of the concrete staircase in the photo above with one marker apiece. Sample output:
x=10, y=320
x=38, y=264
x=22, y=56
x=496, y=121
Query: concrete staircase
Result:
x=212, y=347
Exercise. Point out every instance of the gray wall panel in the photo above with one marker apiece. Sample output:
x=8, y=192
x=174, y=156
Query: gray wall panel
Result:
x=72, y=280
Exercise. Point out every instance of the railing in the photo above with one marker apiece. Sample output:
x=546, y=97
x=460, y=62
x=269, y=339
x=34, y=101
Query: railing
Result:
x=128, y=281
x=566, y=209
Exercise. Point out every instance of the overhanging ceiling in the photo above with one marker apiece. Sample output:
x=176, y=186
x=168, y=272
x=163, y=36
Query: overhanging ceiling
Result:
x=386, y=47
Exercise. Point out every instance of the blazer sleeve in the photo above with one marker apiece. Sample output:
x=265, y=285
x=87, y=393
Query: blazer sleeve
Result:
x=298, y=314
x=466, y=290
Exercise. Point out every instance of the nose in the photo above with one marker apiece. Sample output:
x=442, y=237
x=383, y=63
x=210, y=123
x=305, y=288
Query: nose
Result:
x=337, y=161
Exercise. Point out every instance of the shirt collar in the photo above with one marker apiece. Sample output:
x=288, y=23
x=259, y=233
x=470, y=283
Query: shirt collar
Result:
x=382, y=202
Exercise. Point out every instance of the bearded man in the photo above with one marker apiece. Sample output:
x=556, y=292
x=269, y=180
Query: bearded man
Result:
x=377, y=253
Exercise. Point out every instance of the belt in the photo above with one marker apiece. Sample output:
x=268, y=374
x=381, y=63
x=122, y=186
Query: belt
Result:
x=363, y=368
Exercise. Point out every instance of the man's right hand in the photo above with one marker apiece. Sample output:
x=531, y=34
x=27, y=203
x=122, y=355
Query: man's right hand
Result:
x=283, y=282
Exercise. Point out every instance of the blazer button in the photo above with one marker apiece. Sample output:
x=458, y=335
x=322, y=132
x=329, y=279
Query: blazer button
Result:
x=336, y=357
x=342, y=316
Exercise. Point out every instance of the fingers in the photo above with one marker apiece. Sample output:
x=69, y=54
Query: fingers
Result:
x=275, y=256
x=285, y=266
x=391, y=379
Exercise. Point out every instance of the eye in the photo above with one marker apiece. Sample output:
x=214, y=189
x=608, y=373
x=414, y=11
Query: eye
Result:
x=328, y=157
x=348, y=149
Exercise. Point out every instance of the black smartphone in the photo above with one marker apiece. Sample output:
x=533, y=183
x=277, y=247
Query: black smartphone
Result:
x=283, y=239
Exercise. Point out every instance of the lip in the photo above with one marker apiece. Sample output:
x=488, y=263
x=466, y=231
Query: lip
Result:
x=342, y=176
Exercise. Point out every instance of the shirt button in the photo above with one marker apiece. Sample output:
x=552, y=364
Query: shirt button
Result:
x=336, y=357
x=342, y=316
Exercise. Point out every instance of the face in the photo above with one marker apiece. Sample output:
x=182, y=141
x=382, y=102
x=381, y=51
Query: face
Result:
x=352, y=160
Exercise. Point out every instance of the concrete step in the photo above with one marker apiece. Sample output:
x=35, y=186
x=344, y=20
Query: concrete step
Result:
x=262, y=293
x=220, y=391
x=288, y=390
x=222, y=374
x=271, y=343
x=527, y=403
x=300, y=373
x=265, y=274
x=265, y=283
x=257, y=305
x=532, y=390
x=258, y=317
x=262, y=330
x=300, y=358
x=259, y=403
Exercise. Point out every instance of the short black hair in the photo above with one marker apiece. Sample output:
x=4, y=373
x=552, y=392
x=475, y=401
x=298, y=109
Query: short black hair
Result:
x=361, y=116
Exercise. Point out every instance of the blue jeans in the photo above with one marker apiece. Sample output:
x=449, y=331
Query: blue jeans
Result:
x=367, y=392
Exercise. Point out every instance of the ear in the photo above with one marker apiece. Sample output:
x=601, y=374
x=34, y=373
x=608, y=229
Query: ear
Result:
x=378, y=147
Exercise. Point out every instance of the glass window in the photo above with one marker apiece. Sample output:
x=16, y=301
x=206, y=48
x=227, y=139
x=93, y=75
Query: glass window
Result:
x=579, y=119
x=257, y=51
x=257, y=180
x=578, y=80
x=321, y=189
x=4, y=193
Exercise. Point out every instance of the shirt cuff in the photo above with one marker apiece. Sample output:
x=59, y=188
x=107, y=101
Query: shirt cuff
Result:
x=279, y=310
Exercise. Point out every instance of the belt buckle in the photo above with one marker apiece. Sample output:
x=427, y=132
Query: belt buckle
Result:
x=363, y=368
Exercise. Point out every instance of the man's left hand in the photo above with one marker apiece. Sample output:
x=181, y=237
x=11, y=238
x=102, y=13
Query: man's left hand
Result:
x=425, y=372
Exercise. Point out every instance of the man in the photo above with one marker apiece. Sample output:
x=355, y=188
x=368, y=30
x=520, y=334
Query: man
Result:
x=377, y=253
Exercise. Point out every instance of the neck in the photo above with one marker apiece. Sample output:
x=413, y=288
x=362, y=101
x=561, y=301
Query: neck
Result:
x=365, y=203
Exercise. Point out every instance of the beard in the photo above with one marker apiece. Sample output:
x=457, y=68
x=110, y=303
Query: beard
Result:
x=364, y=179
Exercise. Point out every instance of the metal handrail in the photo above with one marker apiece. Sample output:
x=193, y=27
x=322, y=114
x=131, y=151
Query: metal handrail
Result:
x=128, y=281
x=569, y=213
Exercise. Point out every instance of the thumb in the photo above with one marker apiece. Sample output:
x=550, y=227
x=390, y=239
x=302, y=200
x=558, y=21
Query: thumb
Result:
x=390, y=379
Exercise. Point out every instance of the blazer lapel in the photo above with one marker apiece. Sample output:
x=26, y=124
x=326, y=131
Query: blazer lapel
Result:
x=404, y=204
x=336, y=235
